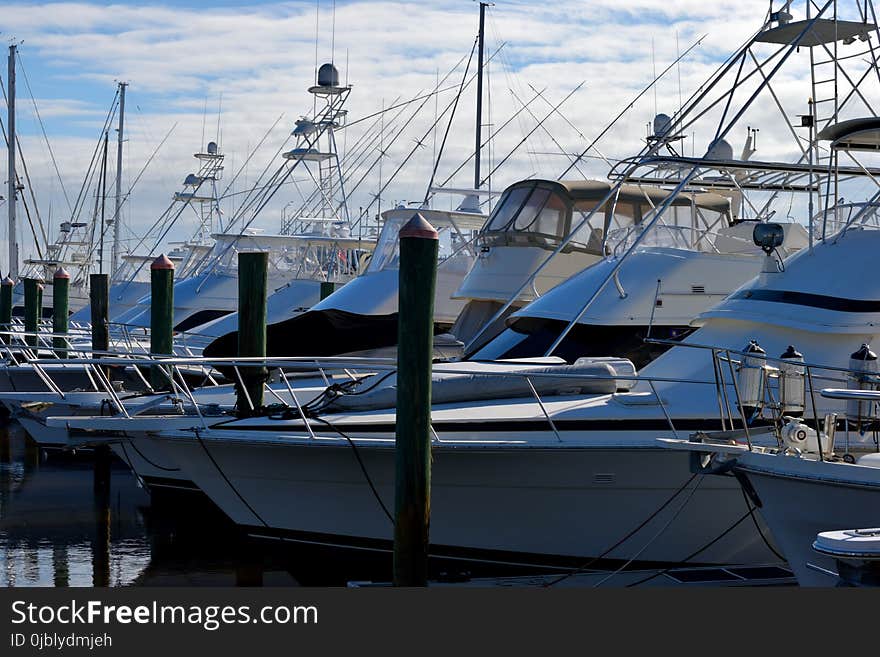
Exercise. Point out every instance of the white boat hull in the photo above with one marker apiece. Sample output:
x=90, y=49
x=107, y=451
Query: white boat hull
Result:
x=555, y=506
x=801, y=498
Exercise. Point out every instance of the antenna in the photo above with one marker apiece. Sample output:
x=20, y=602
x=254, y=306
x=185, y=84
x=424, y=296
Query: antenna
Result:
x=678, y=68
x=317, y=27
x=219, y=112
x=654, y=71
x=204, y=120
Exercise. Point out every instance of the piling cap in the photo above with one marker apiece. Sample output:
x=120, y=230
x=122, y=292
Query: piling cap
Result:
x=61, y=272
x=864, y=353
x=792, y=354
x=7, y=281
x=754, y=348
x=162, y=262
x=418, y=226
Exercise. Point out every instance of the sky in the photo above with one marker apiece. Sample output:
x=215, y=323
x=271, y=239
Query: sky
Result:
x=227, y=71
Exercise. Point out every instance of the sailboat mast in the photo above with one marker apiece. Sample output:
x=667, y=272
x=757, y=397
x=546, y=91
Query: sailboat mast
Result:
x=479, y=95
x=10, y=201
x=117, y=217
x=103, y=196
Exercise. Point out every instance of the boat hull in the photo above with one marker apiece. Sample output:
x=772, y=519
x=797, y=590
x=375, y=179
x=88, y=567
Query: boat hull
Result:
x=552, y=507
x=798, y=502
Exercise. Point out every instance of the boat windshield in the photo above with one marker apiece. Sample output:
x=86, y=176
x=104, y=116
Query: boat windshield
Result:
x=543, y=213
x=302, y=257
x=455, y=235
x=530, y=337
x=829, y=222
x=538, y=213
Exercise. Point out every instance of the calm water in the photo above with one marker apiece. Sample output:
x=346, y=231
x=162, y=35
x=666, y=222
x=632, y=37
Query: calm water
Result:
x=59, y=528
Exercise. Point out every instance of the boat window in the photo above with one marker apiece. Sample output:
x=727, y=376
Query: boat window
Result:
x=386, y=253
x=680, y=227
x=530, y=337
x=531, y=215
x=543, y=213
x=508, y=208
x=504, y=343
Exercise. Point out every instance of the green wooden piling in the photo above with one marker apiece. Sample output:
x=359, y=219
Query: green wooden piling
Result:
x=327, y=288
x=60, y=310
x=415, y=337
x=99, y=304
x=32, y=310
x=99, y=300
x=161, y=316
x=6, y=287
x=252, y=287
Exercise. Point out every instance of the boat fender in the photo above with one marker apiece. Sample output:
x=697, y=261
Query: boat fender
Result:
x=750, y=376
x=863, y=367
x=792, y=390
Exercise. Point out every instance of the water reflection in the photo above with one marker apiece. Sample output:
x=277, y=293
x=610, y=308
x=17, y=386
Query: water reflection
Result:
x=58, y=527
x=83, y=520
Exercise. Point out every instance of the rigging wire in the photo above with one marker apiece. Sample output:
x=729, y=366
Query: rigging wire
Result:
x=449, y=123
x=43, y=130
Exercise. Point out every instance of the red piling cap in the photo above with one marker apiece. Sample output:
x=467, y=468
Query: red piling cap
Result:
x=7, y=281
x=162, y=262
x=61, y=272
x=418, y=226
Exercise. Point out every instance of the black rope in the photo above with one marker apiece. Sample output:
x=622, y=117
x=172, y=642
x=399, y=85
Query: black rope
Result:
x=130, y=466
x=229, y=483
x=748, y=514
x=623, y=540
x=348, y=388
x=155, y=465
x=363, y=467
x=751, y=508
x=693, y=554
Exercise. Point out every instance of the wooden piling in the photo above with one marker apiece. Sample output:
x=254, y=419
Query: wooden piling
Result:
x=327, y=288
x=161, y=316
x=412, y=499
x=60, y=310
x=99, y=304
x=32, y=310
x=252, y=288
x=6, y=287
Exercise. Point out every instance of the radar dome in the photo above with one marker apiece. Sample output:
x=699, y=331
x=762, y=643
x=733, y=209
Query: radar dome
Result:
x=328, y=76
x=720, y=150
x=212, y=148
x=662, y=123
